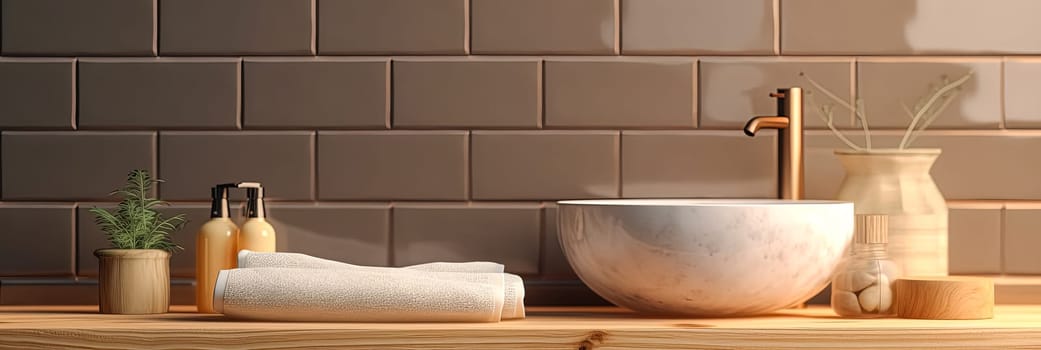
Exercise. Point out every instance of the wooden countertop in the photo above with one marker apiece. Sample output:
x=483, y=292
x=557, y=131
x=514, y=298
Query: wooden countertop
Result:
x=545, y=328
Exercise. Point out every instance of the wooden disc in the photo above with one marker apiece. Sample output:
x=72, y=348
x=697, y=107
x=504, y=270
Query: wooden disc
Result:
x=944, y=298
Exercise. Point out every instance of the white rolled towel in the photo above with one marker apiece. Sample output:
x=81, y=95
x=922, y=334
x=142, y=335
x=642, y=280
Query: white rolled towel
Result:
x=511, y=287
x=357, y=295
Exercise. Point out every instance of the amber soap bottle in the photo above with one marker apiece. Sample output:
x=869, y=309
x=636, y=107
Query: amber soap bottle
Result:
x=257, y=233
x=216, y=248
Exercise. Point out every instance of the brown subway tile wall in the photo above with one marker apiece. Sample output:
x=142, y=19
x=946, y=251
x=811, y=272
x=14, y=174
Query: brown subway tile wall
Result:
x=554, y=263
x=38, y=239
x=698, y=27
x=975, y=238
x=577, y=27
x=37, y=93
x=382, y=141
x=500, y=232
x=236, y=27
x=686, y=164
x=480, y=93
x=621, y=93
x=78, y=28
x=734, y=88
x=1022, y=82
x=192, y=162
x=978, y=105
x=159, y=93
x=393, y=27
x=355, y=233
x=406, y=165
x=965, y=170
x=510, y=165
x=903, y=27
x=326, y=93
x=71, y=166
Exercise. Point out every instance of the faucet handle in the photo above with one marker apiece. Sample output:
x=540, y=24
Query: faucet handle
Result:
x=778, y=95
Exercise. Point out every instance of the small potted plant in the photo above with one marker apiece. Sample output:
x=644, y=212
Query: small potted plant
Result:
x=134, y=275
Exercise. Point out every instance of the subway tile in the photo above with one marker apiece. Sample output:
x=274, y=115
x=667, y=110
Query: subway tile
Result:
x=78, y=28
x=504, y=233
x=622, y=93
x=165, y=93
x=71, y=166
x=698, y=27
x=514, y=165
x=316, y=93
x=901, y=27
x=41, y=291
x=481, y=93
x=400, y=165
x=973, y=165
x=690, y=164
x=393, y=27
x=555, y=265
x=584, y=27
x=974, y=240
x=37, y=93
x=735, y=89
x=192, y=162
x=886, y=83
x=182, y=263
x=1022, y=81
x=1022, y=237
x=37, y=239
x=348, y=232
x=236, y=27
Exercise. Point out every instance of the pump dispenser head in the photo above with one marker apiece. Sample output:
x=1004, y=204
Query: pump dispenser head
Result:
x=871, y=228
x=219, y=206
x=254, y=199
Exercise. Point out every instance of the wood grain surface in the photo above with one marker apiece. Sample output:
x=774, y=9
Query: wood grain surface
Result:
x=546, y=328
x=944, y=298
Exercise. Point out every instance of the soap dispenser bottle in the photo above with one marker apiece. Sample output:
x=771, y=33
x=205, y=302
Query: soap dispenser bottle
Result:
x=862, y=286
x=216, y=247
x=257, y=234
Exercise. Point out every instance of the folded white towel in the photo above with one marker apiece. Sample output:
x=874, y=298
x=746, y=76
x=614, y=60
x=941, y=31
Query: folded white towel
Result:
x=290, y=286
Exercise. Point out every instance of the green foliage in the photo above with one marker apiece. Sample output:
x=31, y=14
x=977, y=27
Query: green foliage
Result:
x=136, y=224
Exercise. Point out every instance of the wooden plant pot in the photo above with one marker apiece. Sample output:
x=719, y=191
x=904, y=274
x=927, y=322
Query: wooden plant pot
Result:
x=133, y=281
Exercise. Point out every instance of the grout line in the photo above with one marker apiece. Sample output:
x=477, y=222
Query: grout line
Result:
x=617, y=28
x=75, y=94
x=1003, y=122
x=468, y=190
x=389, y=100
x=542, y=94
x=390, y=235
x=241, y=94
x=854, y=90
x=155, y=164
x=155, y=27
x=314, y=166
x=75, y=239
x=468, y=28
x=314, y=27
x=777, y=27
x=1001, y=240
x=618, y=155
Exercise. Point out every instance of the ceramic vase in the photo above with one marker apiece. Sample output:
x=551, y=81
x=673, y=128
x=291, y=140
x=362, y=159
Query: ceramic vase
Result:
x=133, y=281
x=897, y=183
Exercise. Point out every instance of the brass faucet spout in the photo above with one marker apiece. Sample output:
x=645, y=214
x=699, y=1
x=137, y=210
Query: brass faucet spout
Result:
x=788, y=123
x=757, y=123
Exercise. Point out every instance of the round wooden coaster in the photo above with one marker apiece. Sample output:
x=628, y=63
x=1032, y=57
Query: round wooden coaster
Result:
x=944, y=298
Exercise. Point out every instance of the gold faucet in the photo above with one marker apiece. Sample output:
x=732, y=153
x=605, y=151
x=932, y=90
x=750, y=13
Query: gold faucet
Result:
x=788, y=123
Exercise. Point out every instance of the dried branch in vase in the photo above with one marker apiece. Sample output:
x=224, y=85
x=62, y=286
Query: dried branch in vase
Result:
x=925, y=110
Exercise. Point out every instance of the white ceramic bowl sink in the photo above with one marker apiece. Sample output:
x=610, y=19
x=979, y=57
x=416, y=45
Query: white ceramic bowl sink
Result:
x=705, y=257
